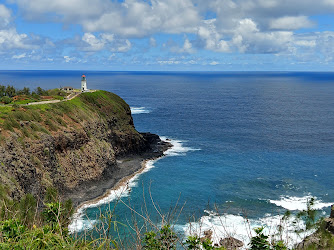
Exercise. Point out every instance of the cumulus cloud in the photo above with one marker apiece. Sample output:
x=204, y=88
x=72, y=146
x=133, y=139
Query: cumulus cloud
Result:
x=214, y=63
x=210, y=38
x=10, y=39
x=5, y=16
x=19, y=56
x=222, y=26
x=61, y=10
x=290, y=23
x=248, y=38
x=69, y=59
x=91, y=43
x=141, y=18
x=153, y=42
x=131, y=18
x=187, y=47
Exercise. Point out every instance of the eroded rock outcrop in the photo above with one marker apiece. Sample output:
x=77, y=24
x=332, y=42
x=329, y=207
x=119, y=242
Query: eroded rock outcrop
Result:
x=70, y=144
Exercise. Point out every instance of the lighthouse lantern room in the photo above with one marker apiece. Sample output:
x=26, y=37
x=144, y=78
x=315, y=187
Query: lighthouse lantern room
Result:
x=83, y=83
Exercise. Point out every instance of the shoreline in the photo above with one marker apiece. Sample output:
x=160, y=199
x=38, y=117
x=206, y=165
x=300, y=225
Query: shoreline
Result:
x=128, y=167
x=121, y=183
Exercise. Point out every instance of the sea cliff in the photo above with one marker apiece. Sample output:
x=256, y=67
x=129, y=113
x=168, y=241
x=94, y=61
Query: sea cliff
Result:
x=82, y=146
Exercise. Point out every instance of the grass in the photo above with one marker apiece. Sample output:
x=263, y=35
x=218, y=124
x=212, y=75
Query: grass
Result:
x=50, y=117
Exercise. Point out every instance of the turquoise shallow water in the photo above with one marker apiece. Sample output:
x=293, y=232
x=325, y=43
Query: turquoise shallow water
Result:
x=253, y=144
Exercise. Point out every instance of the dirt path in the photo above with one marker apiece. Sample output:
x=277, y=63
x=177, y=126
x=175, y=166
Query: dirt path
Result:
x=70, y=97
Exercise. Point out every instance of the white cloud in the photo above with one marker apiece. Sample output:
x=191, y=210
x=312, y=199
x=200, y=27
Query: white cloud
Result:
x=68, y=59
x=211, y=38
x=62, y=10
x=19, y=56
x=246, y=26
x=124, y=46
x=106, y=41
x=248, y=38
x=213, y=63
x=111, y=57
x=94, y=44
x=186, y=48
x=131, y=18
x=290, y=23
x=5, y=16
x=153, y=42
x=10, y=39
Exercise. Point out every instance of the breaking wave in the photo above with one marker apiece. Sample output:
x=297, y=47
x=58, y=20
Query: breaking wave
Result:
x=80, y=223
x=299, y=203
x=139, y=110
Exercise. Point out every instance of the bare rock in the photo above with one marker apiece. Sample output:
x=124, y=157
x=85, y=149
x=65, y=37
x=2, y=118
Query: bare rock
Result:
x=231, y=243
x=332, y=212
x=207, y=235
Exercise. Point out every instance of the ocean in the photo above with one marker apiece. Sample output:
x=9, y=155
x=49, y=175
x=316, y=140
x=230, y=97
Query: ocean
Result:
x=246, y=145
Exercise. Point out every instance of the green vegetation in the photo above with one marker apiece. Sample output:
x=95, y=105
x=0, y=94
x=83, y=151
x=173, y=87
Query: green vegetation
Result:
x=32, y=223
x=24, y=225
x=29, y=121
x=11, y=95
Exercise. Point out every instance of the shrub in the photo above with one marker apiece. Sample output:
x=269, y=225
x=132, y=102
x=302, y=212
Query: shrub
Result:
x=6, y=99
x=61, y=121
x=164, y=239
x=11, y=229
x=260, y=241
x=51, y=125
x=193, y=242
x=21, y=115
x=27, y=209
x=51, y=212
x=36, y=116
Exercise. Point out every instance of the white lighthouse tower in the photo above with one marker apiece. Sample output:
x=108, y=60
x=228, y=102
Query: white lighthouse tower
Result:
x=83, y=83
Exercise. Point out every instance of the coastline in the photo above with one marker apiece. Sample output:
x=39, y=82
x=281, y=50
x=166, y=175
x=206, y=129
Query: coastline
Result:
x=127, y=168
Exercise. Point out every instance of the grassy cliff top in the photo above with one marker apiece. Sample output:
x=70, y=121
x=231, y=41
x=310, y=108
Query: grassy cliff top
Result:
x=28, y=121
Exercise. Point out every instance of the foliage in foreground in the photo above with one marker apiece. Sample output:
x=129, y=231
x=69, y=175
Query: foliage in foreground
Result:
x=25, y=224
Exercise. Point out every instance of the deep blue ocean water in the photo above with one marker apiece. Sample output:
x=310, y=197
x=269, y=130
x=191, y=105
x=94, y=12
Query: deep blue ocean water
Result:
x=250, y=143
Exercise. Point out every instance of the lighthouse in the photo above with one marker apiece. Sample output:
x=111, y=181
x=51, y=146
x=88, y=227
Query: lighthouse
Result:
x=83, y=83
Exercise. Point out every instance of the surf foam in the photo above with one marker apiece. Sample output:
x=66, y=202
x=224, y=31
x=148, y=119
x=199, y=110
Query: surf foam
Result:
x=236, y=226
x=299, y=203
x=177, y=148
x=79, y=223
x=139, y=110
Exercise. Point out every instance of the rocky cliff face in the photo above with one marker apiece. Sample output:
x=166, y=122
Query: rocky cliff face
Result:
x=69, y=144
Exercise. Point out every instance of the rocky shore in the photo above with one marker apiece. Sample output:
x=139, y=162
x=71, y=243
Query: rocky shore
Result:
x=82, y=147
x=127, y=166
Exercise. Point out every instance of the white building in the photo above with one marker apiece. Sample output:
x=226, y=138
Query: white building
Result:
x=83, y=83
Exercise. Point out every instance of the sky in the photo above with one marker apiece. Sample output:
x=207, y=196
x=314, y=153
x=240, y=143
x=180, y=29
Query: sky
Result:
x=173, y=35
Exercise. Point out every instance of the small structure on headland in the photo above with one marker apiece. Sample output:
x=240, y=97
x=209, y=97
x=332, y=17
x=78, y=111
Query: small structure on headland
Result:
x=67, y=88
x=83, y=83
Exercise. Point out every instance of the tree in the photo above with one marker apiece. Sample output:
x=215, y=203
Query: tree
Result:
x=24, y=91
x=10, y=91
x=6, y=99
x=41, y=91
x=2, y=90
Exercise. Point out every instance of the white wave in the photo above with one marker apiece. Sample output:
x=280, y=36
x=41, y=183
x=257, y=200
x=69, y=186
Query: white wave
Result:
x=139, y=110
x=178, y=148
x=236, y=226
x=78, y=223
x=298, y=203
